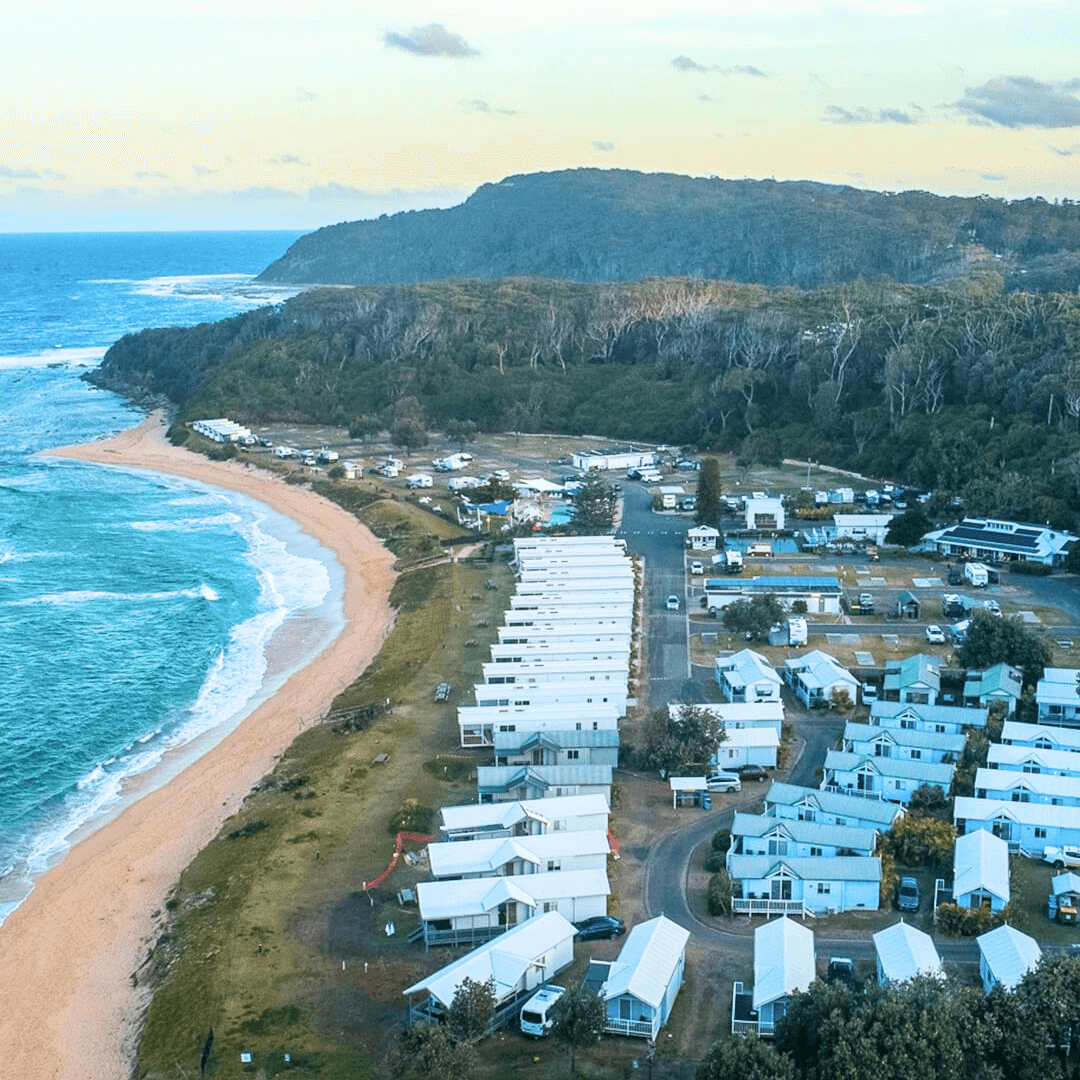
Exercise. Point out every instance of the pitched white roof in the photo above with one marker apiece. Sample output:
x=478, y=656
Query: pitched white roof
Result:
x=1062, y=760
x=853, y=807
x=1018, y=733
x=1040, y=783
x=476, y=896
x=783, y=960
x=745, y=738
x=819, y=669
x=927, y=772
x=647, y=961
x=505, y=959
x=981, y=861
x=905, y=952
x=966, y=808
x=1009, y=954
x=452, y=857
x=506, y=815
x=746, y=667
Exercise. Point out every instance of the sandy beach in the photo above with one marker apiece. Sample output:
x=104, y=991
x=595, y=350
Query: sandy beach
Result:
x=68, y=1007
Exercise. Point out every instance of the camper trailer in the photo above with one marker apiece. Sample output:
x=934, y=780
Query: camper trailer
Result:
x=977, y=575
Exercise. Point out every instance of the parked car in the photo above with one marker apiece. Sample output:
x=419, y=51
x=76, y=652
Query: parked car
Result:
x=600, y=928
x=722, y=781
x=993, y=607
x=697, y=567
x=907, y=894
x=841, y=969
x=1061, y=857
x=672, y=603
x=535, y=1017
x=935, y=635
x=752, y=772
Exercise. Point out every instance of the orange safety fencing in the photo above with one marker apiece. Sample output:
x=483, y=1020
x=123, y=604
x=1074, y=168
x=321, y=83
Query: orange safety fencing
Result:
x=418, y=838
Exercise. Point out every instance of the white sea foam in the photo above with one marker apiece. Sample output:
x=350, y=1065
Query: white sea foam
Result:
x=88, y=356
x=85, y=596
x=186, y=524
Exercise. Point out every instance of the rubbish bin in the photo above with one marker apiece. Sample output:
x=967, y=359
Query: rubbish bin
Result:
x=1051, y=907
x=706, y=800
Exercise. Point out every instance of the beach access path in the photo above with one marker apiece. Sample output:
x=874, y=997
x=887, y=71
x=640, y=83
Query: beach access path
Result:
x=69, y=1009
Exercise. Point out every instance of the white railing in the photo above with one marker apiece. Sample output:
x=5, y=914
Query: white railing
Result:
x=767, y=906
x=642, y=1028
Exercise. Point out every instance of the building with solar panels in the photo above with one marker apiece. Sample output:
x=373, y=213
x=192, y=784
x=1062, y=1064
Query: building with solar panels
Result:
x=990, y=540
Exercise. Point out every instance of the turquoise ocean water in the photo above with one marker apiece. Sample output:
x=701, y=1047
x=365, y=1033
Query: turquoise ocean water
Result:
x=134, y=608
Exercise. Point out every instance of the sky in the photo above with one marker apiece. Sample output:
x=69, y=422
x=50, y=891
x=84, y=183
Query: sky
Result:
x=237, y=114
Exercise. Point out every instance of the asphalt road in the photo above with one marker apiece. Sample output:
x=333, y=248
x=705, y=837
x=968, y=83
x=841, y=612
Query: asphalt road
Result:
x=659, y=539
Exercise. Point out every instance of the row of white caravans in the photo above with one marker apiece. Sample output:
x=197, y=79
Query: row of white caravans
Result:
x=562, y=660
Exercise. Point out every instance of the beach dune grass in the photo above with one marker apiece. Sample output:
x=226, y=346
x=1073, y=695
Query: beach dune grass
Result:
x=258, y=944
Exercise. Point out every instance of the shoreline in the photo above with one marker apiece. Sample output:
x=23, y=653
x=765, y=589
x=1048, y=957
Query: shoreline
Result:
x=69, y=1006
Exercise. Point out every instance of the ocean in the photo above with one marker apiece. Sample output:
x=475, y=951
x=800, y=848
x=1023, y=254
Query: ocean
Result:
x=135, y=608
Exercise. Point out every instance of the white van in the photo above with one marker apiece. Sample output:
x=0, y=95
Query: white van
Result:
x=419, y=480
x=536, y=1012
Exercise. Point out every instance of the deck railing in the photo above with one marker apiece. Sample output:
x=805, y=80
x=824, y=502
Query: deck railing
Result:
x=642, y=1028
x=767, y=906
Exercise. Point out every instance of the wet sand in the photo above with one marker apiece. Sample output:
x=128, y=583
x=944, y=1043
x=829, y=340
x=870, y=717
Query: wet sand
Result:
x=68, y=1006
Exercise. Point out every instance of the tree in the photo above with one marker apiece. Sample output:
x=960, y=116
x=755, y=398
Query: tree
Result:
x=1050, y=1000
x=594, y=505
x=364, y=427
x=409, y=434
x=993, y=640
x=709, y=505
x=908, y=528
x=680, y=736
x=427, y=1052
x=472, y=1010
x=577, y=1020
x=752, y=618
x=737, y=1057
x=922, y=841
x=461, y=432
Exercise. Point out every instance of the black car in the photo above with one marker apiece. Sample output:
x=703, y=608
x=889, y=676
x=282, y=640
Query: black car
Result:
x=752, y=772
x=842, y=970
x=600, y=928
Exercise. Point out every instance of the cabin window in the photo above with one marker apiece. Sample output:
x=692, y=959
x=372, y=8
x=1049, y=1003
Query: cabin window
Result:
x=1040, y=834
x=573, y=755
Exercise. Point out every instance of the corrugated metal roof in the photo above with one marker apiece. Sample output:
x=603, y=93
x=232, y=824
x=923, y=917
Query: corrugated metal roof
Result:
x=783, y=960
x=647, y=961
x=905, y=952
x=474, y=896
x=849, y=806
x=451, y=857
x=505, y=958
x=480, y=815
x=806, y=868
x=981, y=861
x=902, y=768
x=1009, y=954
x=804, y=831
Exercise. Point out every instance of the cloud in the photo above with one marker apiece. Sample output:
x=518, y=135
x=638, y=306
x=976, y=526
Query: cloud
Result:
x=19, y=172
x=603, y=145
x=288, y=159
x=1019, y=101
x=143, y=175
x=476, y=105
x=834, y=114
x=202, y=170
x=303, y=95
x=431, y=40
x=52, y=174
x=685, y=63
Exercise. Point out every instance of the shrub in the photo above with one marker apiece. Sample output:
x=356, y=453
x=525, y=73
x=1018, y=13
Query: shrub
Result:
x=1031, y=569
x=718, y=899
x=964, y=922
x=715, y=862
x=721, y=840
x=411, y=817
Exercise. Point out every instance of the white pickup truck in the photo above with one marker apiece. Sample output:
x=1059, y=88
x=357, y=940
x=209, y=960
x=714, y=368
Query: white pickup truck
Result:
x=1061, y=857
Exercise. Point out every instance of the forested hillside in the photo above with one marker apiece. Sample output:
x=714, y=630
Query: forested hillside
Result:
x=966, y=389
x=616, y=225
